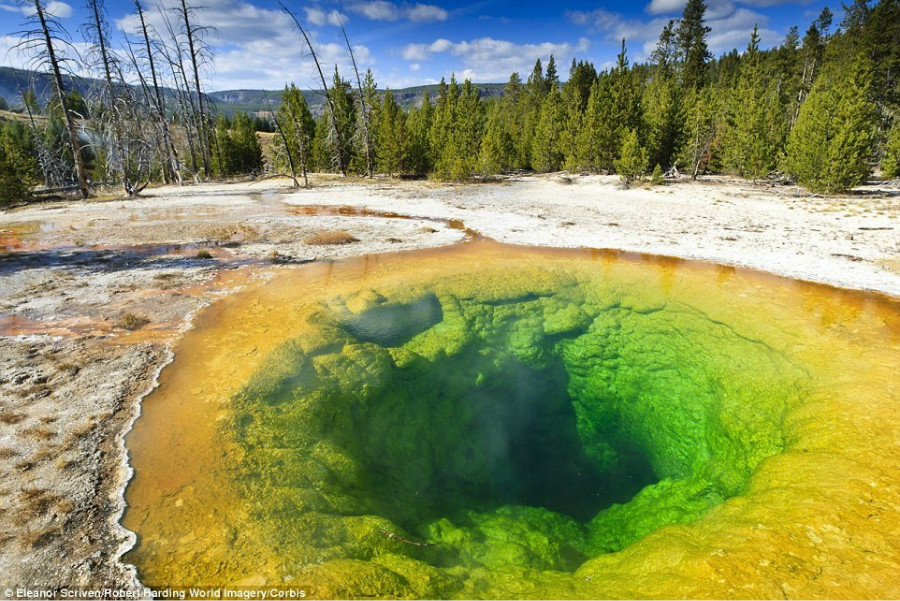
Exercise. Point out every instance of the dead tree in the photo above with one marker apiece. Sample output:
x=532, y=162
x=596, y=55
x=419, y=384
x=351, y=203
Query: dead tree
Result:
x=335, y=130
x=287, y=146
x=29, y=99
x=194, y=36
x=175, y=58
x=42, y=41
x=96, y=30
x=370, y=167
x=297, y=124
x=171, y=153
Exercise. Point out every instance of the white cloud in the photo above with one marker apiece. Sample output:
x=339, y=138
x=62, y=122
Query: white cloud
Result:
x=715, y=8
x=319, y=17
x=21, y=57
x=415, y=52
x=58, y=9
x=415, y=67
x=259, y=47
x=382, y=10
x=426, y=12
x=488, y=59
x=441, y=45
x=730, y=25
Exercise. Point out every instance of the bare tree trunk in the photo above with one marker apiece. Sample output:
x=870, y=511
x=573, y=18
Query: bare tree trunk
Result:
x=304, y=149
x=38, y=142
x=99, y=31
x=80, y=169
x=183, y=94
x=192, y=50
x=287, y=147
x=171, y=153
x=189, y=117
x=365, y=110
x=334, y=128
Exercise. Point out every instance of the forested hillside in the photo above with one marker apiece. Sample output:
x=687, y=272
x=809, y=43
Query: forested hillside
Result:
x=821, y=110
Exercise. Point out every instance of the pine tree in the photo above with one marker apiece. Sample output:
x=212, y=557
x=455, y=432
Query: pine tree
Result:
x=457, y=131
x=321, y=154
x=881, y=44
x=573, y=158
x=855, y=15
x=754, y=126
x=691, y=36
x=890, y=163
x=17, y=167
x=552, y=78
x=248, y=157
x=632, y=162
x=367, y=110
x=299, y=127
x=496, y=146
x=663, y=120
x=237, y=146
x=578, y=87
x=468, y=131
x=534, y=93
x=585, y=154
x=830, y=146
x=516, y=112
x=344, y=122
x=546, y=151
x=613, y=108
x=221, y=159
x=419, y=127
x=442, y=122
x=701, y=110
x=391, y=135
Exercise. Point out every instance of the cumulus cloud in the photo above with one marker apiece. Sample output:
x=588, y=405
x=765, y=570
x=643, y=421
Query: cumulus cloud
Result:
x=56, y=8
x=715, y=8
x=21, y=57
x=382, y=10
x=257, y=46
x=319, y=17
x=730, y=25
x=489, y=59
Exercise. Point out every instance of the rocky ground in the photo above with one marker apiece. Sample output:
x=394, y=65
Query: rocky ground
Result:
x=92, y=296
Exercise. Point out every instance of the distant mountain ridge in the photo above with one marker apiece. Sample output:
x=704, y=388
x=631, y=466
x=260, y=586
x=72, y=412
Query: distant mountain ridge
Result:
x=254, y=101
x=227, y=102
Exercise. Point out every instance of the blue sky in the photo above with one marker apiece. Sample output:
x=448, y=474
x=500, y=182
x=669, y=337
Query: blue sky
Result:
x=411, y=43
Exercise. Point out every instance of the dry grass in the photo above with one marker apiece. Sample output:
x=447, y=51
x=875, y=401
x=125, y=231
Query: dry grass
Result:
x=11, y=417
x=35, y=502
x=330, y=238
x=39, y=433
x=69, y=369
x=237, y=233
x=35, y=539
x=130, y=321
x=203, y=254
x=8, y=453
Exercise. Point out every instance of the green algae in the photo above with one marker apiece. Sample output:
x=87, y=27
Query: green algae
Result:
x=514, y=430
x=499, y=422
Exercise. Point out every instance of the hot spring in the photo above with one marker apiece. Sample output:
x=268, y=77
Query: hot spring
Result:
x=488, y=421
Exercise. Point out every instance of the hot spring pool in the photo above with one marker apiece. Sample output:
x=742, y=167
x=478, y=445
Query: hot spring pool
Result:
x=488, y=421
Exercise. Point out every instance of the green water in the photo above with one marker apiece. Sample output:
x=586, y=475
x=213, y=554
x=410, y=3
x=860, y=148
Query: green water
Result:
x=451, y=430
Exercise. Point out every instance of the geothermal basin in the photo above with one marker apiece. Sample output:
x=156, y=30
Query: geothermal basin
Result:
x=496, y=421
